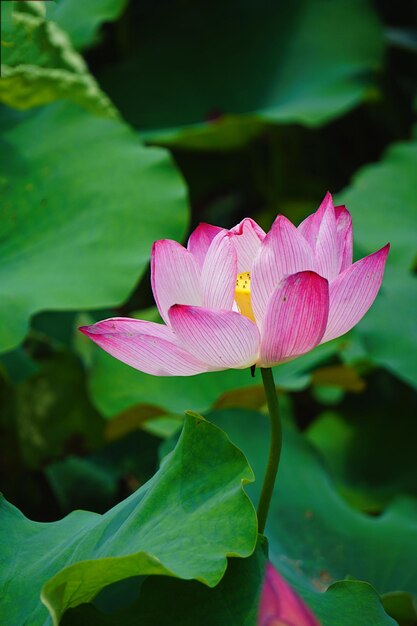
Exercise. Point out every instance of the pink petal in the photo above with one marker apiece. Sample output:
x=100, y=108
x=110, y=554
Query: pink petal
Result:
x=200, y=240
x=344, y=237
x=280, y=605
x=218, y=276
x=284, y=251
x=146, y=346
x=310, y=227
x=353, y=292
x=295, y=318
x=222, y=339
x=320, y=230
x=175, y=276
x=248, y=239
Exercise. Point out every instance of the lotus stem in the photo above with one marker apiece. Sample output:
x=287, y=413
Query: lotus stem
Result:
x=275, y=445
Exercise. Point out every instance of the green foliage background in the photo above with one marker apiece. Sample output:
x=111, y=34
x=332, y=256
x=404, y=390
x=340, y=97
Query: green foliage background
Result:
x=126, y=122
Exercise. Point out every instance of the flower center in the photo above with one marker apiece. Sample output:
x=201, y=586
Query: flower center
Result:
x=242, y=295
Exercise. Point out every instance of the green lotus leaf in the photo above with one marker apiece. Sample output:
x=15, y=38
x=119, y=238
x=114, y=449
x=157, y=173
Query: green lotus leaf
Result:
x=184, y=522
x=83, y=26
x=316, y=538
x=383, y=204
x=40, y=66
x=77, y=232
x=194, y=80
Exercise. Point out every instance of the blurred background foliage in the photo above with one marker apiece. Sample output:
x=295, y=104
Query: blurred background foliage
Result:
x=125, y=122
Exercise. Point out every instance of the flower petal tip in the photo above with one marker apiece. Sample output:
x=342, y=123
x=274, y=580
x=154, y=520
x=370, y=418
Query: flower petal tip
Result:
x=382, y=253
x=327, y=203
x=99, y=328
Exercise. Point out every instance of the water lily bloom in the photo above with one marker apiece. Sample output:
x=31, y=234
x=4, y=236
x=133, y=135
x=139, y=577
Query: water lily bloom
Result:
x=241, y=297
x=280, y=605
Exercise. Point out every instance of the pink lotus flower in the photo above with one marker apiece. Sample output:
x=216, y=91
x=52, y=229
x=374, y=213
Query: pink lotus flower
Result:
x=280, y=605
x=240, y=297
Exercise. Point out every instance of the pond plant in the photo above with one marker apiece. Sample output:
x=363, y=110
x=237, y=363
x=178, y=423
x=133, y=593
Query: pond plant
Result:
x=241, y=299
x=230, y=439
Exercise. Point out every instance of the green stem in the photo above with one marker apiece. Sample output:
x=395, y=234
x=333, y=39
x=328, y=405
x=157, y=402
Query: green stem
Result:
x=275, y=445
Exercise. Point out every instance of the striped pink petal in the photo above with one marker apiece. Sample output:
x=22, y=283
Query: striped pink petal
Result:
x=344, y=237
x=320, y=230
x=284, y=251
x=295, y=318
x=353, y=292
x=222, y=339
x=175, y=276
x=146, y=346
x=248, y=239
x=218, y=276
x=200, y=241
x=280, y=605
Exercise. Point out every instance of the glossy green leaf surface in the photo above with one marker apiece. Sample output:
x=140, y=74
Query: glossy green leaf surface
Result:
x=96, y=214
x=184, y=522
x=193, y=71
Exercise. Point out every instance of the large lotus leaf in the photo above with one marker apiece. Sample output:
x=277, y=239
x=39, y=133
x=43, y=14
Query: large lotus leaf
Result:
x=234, y=601
x=195, y=71
x=184, y=522
x=115, y=387
x=83, y=26
x=388, y=333
x=77, y=227
x=383, y=204
x=316, y=538
x=39, y=66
